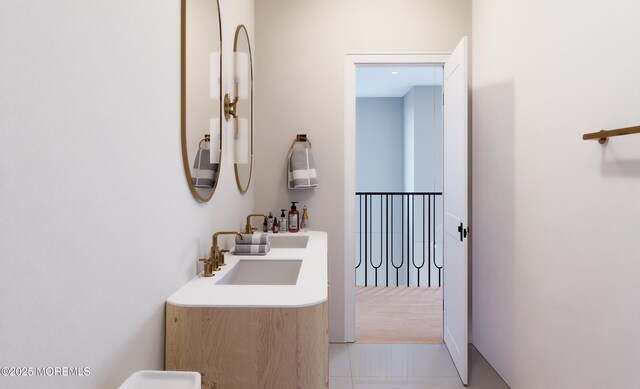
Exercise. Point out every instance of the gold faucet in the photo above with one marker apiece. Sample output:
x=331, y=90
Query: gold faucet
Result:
x=216, y=254
x=247, y=228
x=213, y=263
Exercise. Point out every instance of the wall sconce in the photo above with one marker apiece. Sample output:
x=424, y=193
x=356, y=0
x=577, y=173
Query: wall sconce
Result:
x=241, y=83
x=214, y=139
x=230, y=107
x=241, y=108
x=214, y=94
x=214, y=75
x=242, y=74
x=241, y=142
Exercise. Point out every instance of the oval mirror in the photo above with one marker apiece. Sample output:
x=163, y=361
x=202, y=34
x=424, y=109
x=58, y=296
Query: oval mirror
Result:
x=201, y=91
x=243, y=136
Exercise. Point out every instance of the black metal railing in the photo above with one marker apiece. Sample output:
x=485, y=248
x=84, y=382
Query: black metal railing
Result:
x=399, y=238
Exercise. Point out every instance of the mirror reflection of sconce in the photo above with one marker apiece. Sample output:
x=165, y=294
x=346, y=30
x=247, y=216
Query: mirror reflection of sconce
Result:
x=241, y=82
x=230, y=107
x=241, y=109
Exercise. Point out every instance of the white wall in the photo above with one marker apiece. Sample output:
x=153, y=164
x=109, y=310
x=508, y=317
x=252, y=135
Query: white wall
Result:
x=409, y=107
x=98, y=226
x=556, y=258
x=428, y=139
x=300, y=85
x=379, y=148
x=423, y=146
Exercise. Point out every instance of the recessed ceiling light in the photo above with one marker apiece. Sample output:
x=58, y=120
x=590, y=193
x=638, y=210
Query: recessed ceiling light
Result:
x=394, y=72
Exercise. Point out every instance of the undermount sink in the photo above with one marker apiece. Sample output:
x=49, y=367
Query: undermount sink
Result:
x=288, y=242
x=263, y=272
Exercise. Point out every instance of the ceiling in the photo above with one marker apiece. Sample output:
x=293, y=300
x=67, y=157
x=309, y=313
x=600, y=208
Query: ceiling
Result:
x=394, y=81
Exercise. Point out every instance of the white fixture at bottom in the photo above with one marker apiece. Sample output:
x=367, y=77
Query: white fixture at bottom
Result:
x=158, y=379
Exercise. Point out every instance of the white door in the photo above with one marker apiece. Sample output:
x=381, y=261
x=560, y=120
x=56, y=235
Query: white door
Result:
x=455, y=208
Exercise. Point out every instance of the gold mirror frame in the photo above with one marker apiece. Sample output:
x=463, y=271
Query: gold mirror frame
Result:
x=183, y=103
x=244, y=188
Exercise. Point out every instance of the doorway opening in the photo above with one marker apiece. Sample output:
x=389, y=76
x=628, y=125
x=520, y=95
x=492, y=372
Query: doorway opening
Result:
x=455, y=195
x=399, y=203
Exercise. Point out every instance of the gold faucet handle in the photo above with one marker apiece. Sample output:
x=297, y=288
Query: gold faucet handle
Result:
x=209, y=267
x=222, y=253
x=248, y=229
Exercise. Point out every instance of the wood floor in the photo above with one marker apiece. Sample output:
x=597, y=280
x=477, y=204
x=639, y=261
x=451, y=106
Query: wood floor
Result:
x=398, y=314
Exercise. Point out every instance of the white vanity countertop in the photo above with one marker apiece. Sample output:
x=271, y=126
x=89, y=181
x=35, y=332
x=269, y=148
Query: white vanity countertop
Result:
x=310, y=289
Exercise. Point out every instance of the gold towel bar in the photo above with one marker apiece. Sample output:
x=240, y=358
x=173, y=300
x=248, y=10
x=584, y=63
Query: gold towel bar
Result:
x=602, y=136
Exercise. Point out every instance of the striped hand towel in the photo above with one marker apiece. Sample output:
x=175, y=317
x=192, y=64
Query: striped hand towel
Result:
x=255, y=249
x=204, y=172
x=302, y=168
x=253, y=239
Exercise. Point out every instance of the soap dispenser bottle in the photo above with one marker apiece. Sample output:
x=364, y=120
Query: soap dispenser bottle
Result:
x=270, y=222
x=304, y=224
x=294, y=217
x=283, y=221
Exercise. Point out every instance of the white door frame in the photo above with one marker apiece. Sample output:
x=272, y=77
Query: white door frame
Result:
x=351, y=61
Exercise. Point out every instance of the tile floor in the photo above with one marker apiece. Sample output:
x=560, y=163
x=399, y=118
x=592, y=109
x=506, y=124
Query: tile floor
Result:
x=405, y=366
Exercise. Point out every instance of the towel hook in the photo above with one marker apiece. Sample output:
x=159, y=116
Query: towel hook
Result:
x=207, y=138
x=301, y=138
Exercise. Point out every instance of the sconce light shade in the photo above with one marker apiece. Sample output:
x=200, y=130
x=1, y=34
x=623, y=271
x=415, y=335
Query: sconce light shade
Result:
x=214, y=75
x=242, y=74
x=214, y=131
x=241, y=142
